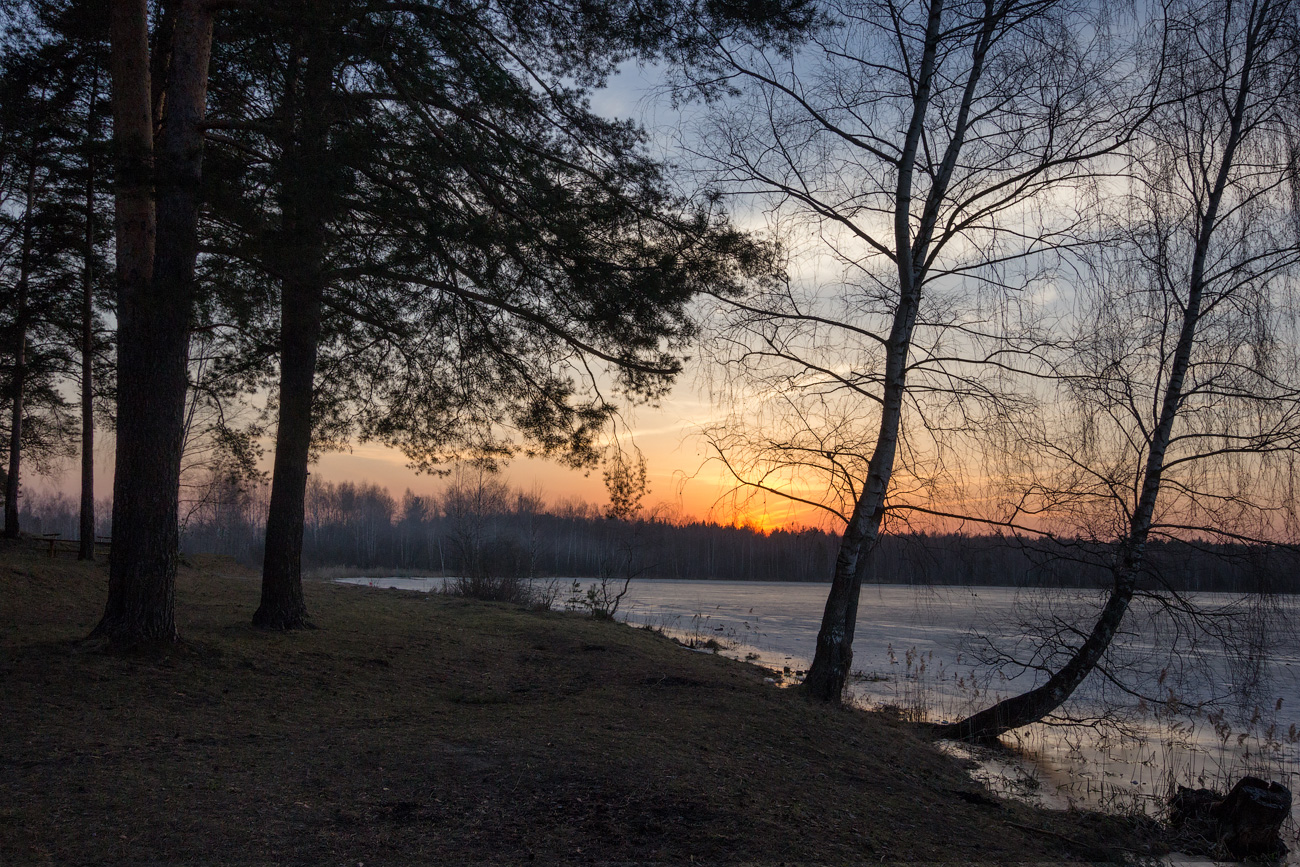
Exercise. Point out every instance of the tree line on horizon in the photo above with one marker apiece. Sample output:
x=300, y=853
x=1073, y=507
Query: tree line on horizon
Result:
x=505, y=533
x=1053, y=250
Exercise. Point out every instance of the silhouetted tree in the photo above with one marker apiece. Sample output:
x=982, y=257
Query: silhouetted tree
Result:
x=50, y=70
x=158, y=103
x=927, y=146
x=459, y=238
x=1182, y=380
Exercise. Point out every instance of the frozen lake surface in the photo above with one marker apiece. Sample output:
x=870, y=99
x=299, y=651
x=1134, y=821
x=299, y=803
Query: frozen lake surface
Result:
x=1217, y=697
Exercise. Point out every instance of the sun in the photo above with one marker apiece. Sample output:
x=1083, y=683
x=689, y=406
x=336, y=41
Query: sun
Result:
x=787, y=516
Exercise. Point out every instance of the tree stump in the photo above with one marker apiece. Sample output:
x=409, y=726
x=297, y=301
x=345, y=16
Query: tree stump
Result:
x=1243, y=824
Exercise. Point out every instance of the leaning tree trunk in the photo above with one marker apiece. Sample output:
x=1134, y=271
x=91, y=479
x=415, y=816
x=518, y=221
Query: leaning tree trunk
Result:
x=154, y=309
x=1032, y=706
x=302, y=292
x=18, y=385
x=86, y=532
x=989, y=724
x=833, y=658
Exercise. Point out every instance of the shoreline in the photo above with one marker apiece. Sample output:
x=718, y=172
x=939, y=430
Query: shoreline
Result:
x=1127, y=767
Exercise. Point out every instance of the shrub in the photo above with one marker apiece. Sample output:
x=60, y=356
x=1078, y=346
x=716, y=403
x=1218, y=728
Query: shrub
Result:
x=492, y=588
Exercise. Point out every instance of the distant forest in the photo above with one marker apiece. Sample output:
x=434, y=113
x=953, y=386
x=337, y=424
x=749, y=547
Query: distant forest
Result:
x=485, y=526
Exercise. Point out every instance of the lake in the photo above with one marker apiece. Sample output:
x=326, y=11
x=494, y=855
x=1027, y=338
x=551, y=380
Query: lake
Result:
x=1216, y=696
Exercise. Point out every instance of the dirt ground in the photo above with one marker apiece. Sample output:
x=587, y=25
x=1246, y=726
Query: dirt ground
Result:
x=413, y=727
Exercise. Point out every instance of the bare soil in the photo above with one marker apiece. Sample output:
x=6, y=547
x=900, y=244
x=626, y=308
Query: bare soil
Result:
x=421, y=728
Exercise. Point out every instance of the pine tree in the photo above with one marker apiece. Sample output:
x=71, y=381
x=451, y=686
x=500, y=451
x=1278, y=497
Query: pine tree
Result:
x=458, y=237
x=49, y=94
x=157, y=177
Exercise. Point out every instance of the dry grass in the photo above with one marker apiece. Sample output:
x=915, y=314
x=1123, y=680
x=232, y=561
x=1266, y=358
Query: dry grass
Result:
x=416, y=727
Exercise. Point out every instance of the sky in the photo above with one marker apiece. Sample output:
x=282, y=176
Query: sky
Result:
x=683, y=482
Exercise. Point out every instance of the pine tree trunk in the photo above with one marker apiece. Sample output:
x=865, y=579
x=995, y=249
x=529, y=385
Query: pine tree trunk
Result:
x=18, y=385
x=154, y=308
x=305, y=201
x=17, y=389
x=86, y=531
x=283, y=605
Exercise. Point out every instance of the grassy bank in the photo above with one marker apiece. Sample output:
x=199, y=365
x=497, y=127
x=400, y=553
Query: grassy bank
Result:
x=412, y=727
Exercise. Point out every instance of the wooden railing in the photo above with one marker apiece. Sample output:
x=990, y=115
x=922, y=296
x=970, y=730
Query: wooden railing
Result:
x=53, y=542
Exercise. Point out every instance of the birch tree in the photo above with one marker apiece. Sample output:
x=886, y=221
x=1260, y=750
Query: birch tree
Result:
x=927, y=152
x=1179, y=389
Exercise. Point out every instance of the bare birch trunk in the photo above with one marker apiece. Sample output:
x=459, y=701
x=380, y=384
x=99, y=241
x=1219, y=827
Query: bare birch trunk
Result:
x=833, y=658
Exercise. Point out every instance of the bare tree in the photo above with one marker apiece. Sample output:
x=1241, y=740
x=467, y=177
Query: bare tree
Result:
x=927, y=149
x=221, y=448
x=474, y=497
x=1179, y=390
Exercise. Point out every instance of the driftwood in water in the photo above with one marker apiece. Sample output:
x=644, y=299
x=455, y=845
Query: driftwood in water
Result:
x=1243, y=824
